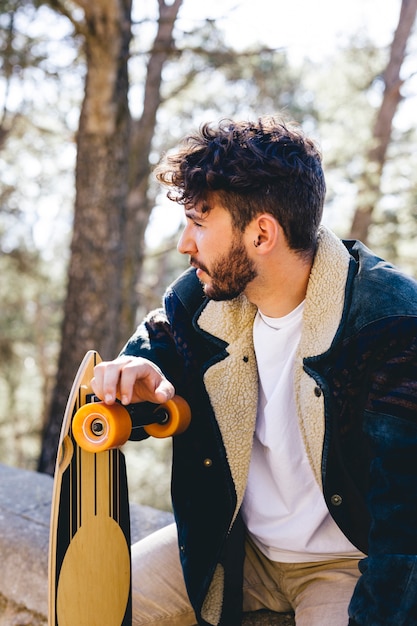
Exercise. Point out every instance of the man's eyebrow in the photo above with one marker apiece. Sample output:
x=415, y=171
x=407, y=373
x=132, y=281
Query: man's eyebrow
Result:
x=194, y=213
x=190, y=213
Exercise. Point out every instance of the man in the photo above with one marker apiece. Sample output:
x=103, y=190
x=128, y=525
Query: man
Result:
x=297, y=353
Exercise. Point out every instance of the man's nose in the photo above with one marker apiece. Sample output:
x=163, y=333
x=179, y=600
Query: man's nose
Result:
x=186, y=243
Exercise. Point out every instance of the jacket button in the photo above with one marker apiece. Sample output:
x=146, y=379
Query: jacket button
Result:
x=207, y=462
x=336, y=500
x=317, y=392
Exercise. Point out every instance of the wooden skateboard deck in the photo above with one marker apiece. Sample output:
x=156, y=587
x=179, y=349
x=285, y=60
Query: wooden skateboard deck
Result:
x=89, y=552
x=89, y=547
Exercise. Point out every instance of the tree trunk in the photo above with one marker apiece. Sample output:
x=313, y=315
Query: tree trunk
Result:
x=369, y=184
x=112, y=207
x=139, y=205
x=92, y=307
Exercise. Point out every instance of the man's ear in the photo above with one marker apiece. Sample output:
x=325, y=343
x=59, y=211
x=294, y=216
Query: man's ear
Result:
x=266, y=231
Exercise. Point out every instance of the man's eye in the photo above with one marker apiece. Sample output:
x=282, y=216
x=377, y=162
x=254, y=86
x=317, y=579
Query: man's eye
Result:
x=194, y=220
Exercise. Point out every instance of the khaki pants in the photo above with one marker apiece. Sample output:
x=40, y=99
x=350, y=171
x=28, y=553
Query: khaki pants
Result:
x=318, y=593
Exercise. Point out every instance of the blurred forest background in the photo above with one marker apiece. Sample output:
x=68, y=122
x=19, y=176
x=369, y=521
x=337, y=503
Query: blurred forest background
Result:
x=92, y=92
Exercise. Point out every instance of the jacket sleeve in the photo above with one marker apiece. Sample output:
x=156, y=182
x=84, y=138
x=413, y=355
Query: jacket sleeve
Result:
x=153, y=340
x=386, y=592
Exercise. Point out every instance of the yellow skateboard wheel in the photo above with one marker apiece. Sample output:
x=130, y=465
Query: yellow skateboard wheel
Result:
x=97, y=426
x=173, y=418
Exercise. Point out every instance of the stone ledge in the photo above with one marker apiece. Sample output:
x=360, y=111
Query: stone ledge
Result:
x=25, y=500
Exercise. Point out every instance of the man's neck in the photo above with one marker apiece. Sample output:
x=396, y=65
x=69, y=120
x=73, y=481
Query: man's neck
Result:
x=279, y=290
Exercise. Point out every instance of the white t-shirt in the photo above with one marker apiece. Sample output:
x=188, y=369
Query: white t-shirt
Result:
x=283, y=507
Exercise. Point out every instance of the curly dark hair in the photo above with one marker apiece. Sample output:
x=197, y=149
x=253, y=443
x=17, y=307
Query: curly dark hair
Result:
x=252, y=167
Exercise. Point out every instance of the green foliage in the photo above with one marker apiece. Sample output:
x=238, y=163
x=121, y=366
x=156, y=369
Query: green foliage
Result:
x=347, y=91
x=29, y=318
x=36, y=162
x=149, y=472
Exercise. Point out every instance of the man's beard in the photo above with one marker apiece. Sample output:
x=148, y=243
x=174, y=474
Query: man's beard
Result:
x=230, y=274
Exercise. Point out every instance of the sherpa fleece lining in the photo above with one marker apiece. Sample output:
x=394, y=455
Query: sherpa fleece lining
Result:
x=323, y=310
x=232, y=384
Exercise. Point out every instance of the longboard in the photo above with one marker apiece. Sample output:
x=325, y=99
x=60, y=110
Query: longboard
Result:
x=89, y=547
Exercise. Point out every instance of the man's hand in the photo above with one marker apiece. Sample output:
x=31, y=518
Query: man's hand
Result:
x=131, y=379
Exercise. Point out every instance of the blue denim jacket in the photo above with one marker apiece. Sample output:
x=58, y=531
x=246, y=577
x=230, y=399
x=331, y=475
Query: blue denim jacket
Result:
x=370, y=449
x=365, y=380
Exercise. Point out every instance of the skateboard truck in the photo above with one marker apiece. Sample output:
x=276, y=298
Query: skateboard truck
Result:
x=97, y=426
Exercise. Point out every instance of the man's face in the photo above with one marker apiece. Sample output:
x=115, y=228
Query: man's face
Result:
x=218, y=252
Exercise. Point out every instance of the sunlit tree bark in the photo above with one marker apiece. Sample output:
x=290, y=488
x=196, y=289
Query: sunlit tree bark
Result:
x=139, y=205
x=369, y=184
